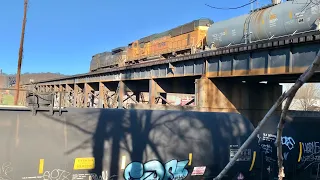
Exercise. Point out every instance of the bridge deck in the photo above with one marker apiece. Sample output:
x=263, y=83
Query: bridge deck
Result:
x=285, y=55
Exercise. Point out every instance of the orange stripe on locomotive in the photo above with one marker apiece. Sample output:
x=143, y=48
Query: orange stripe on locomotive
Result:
x=182, y=40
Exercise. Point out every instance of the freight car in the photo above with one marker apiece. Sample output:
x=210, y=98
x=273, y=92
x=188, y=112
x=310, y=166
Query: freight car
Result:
x=182, y=40
x=274, y=21
x=300, y=143
x=123, y=144
x=185, y=39
x=137, y=144
x=271, y=21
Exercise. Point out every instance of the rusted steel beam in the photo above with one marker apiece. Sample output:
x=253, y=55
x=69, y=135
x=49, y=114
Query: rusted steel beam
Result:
x=164, y=99
x=188, y=103
x=130, y=97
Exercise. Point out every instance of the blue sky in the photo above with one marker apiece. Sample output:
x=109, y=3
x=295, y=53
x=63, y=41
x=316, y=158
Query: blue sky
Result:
x=62, y=35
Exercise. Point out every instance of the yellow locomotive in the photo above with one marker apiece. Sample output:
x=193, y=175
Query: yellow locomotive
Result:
x=182, y=40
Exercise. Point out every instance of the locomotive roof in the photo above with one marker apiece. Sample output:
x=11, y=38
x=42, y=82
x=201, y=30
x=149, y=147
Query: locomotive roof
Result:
x=182, y=29
x=119, y=49
x=101, y=54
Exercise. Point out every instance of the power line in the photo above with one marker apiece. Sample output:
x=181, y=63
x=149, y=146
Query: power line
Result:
x=231, y=7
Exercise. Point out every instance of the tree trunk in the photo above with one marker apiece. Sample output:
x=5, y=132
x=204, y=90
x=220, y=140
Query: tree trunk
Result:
x=291, y=93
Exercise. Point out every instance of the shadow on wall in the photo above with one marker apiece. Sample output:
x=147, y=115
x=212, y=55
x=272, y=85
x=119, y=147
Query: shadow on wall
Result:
x=125, y=139
x=132, y=144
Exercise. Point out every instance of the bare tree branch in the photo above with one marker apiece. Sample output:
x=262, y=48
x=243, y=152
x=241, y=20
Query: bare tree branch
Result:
x=307, y=97
x=290, y=93
x=278, y=143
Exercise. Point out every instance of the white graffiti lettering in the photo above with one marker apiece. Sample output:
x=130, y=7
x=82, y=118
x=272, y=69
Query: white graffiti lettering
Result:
x=57, y=174
x=287, y=141
x=310, y=158
x=6, y=169
x=266, y=148
x=103, y=176
x=311, y=147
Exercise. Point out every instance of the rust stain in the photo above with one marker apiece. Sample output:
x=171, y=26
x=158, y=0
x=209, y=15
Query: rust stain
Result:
x=278, y=70
x=259, y=21
x=226, y=73
x=272, y=16
x=240, y=72
x=213, y=74
x=257, y=71
x=290, y=14
x=299, y=69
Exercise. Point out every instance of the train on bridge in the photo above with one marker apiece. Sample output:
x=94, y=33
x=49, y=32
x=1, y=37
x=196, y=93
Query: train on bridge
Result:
x=287, y=18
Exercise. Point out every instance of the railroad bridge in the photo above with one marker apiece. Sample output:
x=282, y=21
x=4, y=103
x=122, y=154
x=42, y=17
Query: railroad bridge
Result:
x=222, y=80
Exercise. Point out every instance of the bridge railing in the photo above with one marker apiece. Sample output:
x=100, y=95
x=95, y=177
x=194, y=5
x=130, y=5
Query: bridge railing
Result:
x=34, y=100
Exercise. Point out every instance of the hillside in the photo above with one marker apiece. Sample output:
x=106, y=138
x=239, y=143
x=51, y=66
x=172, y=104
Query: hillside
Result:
x=9, y=79
x=25, y=78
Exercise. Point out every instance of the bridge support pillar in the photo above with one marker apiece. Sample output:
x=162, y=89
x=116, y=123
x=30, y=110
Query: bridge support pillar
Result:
x=121, y=92
x=154, y=89
x=69, y=94
x=252, y=100
x=79, y=94
x=102, y=94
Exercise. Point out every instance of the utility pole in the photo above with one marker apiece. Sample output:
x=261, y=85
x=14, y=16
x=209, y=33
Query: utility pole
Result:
x=21, y=53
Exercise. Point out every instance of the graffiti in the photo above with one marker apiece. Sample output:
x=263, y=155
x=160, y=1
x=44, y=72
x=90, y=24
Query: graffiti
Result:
x=270, y=159
x=6, y=169
x=311, y=147
x=266, y=148
x=311, y=152
x=259, y=138
x=103, y=176
x=172, y=170
x=311, y=157
x=58, y=174
x=287, y=141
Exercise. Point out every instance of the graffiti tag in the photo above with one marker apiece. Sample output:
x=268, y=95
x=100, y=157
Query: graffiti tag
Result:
x=266, y=148
x=311, y=147
x=57, y=174
x=287, y=141
x=172, y=170
x=5, y=170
